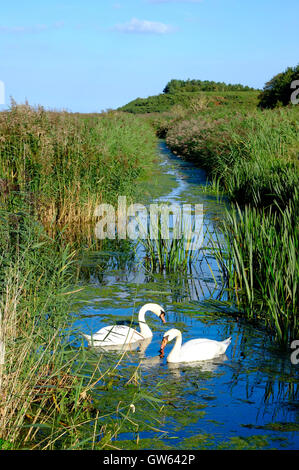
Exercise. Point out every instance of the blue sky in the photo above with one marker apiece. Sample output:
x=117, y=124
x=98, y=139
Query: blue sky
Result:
x=96, y=54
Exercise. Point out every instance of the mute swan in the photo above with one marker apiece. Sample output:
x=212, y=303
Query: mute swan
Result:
x=118, y=335
x=201, y=349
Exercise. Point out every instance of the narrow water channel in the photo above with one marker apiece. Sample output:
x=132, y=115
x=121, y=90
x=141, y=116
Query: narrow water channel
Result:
x=246, y=399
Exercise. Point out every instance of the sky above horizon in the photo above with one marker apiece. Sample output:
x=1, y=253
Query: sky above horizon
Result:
x=91, y=55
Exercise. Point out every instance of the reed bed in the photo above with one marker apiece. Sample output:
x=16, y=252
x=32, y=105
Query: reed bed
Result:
x=175, y=253
x=62, y=165
x=254, y=156
x=36, y=380
x=259, y=259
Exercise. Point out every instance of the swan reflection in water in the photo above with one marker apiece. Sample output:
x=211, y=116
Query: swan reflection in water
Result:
x=203, y=366
x=177, y=368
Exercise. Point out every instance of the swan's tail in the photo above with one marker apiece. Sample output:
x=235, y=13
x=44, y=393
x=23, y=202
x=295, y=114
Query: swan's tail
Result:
x=87, y=337
x=227, y=341
x=226, y=344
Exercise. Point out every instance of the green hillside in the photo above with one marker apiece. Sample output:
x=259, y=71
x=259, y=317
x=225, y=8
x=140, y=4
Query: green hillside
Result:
x=189, y=93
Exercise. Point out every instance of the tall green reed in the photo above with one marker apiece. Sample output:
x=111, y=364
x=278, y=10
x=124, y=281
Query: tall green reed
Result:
x=259, y=261
x=176, y=252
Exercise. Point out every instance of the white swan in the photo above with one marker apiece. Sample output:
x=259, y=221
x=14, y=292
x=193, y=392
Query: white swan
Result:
x=119, y=335
x=200, y=349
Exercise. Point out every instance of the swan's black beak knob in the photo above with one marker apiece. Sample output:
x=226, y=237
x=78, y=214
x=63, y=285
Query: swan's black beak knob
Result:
x=162, y=316
x=161, y=352
x=163, y=344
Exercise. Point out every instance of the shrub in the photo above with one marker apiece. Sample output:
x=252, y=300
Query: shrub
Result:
x=278, y=90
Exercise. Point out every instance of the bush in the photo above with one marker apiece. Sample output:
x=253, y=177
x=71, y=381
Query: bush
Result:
x=278, y=90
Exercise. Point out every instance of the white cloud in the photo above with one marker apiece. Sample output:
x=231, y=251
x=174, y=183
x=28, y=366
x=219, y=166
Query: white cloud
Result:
x=58, y=24
x=144, y=27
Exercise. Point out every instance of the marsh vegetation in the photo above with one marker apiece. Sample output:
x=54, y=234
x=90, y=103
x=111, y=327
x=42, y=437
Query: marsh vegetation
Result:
x=57, y=280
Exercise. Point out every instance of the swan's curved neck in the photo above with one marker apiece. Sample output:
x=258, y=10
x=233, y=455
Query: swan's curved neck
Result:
x=175, y=352
x=144, y=328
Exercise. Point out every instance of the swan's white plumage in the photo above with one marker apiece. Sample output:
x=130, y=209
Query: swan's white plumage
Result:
x=201, y=349
x=115, y=334
x=118, y=335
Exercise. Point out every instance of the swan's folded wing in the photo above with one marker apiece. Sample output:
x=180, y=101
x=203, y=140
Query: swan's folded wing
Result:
x=117, y=334
x=201, y=349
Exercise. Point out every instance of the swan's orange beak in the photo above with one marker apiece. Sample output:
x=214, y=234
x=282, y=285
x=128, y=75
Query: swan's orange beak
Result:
x=163, y=344
x=162, y=316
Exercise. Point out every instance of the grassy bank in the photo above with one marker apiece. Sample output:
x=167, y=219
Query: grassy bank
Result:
x=54, y=169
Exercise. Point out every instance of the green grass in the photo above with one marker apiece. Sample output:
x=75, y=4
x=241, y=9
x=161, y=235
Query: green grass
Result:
x=37, y=377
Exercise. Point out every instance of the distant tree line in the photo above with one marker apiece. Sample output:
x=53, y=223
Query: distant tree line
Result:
x=177, y=86
x=278, y=91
